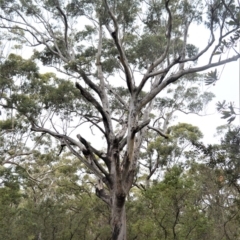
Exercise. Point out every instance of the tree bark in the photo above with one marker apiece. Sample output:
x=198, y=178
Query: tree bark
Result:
x=118, y=217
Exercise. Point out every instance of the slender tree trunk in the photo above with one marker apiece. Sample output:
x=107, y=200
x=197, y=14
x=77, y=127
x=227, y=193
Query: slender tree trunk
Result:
x=118, y=218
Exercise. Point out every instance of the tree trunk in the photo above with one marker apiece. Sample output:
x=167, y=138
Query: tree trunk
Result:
x=118, y=217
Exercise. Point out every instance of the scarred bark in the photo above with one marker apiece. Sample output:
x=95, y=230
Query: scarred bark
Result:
x=118, y=217
x=117, y=194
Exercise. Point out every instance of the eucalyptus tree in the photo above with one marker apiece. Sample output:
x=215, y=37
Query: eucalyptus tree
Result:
x=121, y=55
x=162, y=155
x=189, y=203
x=224, y=156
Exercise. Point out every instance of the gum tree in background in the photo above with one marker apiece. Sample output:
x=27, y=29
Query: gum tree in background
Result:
x=121, y=55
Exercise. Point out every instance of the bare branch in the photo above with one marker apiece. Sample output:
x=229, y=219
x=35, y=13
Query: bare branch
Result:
x=58, y=136
x=8, y=160
x=163, y=56
x=140, y=126
x=102, y=90
x=123, y=58
x=95, y=124
x=161, y=133
x=95, y=103
x=90, y=150
x=87, y=163
x=174, y=77
x=230, y=12
x=117, y=96
x=65, y=24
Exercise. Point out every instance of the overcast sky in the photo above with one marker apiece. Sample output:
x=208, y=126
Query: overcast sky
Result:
x=227, y=88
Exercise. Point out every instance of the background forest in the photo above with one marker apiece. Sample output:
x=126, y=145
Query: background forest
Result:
x=89, y=149
x=195, y=199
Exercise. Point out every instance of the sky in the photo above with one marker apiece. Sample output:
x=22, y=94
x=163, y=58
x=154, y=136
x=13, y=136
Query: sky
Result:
x=226, y=88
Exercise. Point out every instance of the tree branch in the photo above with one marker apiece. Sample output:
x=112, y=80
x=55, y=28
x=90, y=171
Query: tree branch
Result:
x=123, y=58
x=163, y=56
x=105, y=115
x=140, y=127
x=117, y=96
x=90, y=150
x=65, y=24
x=101, y=193
x=175, y=77
x=161, y=133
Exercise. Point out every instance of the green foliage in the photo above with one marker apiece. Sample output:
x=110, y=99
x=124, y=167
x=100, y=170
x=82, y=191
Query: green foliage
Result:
x=174, y=148
x=6, y=124
x=187, y=203
x=224, y=156
x=184, y=205
x=35, y=91
x=211, y=77
x=185, y=97
x=10, y=198
x=186, y=132
x=227, y=111
x=60, y=206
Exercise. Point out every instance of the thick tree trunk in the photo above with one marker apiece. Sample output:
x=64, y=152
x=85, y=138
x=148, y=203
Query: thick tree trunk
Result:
x=118, y=218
